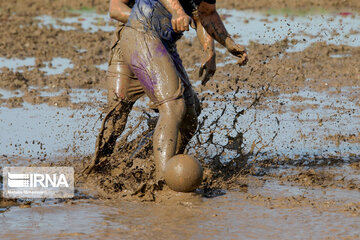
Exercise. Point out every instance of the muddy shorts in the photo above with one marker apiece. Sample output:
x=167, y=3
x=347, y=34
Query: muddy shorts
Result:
x=139, y=63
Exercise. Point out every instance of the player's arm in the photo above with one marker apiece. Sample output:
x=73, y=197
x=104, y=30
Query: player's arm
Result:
x=119, y=10
x=207, y=42
x=213, y=24
x=180, y=20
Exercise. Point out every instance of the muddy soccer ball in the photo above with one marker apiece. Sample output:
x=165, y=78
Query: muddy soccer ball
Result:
x=183, y=173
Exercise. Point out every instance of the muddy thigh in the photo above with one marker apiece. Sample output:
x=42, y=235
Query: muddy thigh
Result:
x=150, y=61
x=121, y=81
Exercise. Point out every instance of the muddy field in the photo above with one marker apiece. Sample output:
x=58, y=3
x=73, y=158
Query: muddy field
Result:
x=279, y=138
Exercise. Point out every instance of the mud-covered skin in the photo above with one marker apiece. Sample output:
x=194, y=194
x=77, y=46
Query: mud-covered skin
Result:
x=124, y=85
x=213, y=24
x=154, y=67
x=210, y=20
x=151, y=21
x=124, y=88
x=208, y=64
x=180, y=20
x=121, y=9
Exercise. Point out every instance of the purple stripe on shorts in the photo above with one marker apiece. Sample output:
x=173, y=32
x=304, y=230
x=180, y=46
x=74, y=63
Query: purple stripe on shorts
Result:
x=139, y=66
x=160, y=49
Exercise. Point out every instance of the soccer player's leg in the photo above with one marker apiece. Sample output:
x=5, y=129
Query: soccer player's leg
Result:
x=123, y=90
x=150, y=61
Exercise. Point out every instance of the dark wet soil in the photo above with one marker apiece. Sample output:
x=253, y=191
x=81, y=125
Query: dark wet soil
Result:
x=60, y=8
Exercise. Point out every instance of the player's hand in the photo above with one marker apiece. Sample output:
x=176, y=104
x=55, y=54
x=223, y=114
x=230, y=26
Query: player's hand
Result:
x=237, y=50
x=209, y=66
x=180, y=21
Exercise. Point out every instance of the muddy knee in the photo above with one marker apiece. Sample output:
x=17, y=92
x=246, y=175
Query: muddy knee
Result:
x=117, y=89
x=173, y=110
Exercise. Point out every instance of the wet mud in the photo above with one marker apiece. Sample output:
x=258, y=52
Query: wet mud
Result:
x=33, y=8
x=278, y=139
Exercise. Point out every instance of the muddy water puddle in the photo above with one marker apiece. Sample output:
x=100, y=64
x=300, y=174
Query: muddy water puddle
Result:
x=88, y=21
x=271, y=209
x=15, y=63
x=46, y=130
x=265, y=28
x=55, y=66
x=262, y=27
x=307, y=128
x=299, y=129
x=236, y=215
